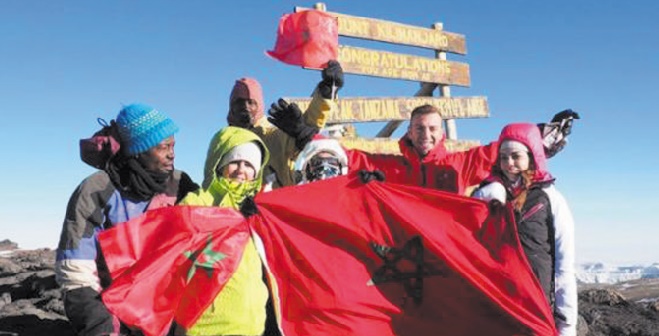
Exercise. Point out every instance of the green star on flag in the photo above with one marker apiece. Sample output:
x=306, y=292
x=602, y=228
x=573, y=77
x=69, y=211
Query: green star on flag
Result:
x=209, y=257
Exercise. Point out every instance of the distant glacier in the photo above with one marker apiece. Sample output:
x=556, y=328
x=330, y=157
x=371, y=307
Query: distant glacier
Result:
x=601, y=273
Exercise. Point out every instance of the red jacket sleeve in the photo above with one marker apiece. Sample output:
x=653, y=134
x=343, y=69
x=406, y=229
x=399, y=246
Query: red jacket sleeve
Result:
x=358, y=160
x=475, y=164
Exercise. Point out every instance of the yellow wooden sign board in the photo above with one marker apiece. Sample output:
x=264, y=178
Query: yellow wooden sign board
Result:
x=390, y=146
x=393, y=32
x=361, y=109
x=386, y=64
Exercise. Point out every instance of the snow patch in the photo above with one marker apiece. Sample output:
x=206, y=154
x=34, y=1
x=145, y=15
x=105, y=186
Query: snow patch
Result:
x=601, y=273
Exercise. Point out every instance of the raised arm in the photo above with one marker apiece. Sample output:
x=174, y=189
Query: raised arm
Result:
x=323, y=99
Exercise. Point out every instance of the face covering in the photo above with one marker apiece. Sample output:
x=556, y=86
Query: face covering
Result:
x=322, y=168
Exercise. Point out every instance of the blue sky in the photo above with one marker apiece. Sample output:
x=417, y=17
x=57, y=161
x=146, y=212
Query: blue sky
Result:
x=65, y=63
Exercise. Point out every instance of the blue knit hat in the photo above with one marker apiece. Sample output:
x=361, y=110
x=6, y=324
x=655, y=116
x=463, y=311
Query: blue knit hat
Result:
x=142, y=127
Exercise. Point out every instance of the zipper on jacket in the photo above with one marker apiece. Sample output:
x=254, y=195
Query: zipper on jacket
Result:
x=423, y=175
x=532, y=211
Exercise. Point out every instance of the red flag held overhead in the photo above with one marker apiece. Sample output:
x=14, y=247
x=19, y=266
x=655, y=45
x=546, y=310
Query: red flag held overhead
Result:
x=308, y=38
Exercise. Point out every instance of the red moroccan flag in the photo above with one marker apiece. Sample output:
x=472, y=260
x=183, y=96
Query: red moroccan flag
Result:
x=308, y=38
x=170, y=263
x=374, y=258
x=348, y=258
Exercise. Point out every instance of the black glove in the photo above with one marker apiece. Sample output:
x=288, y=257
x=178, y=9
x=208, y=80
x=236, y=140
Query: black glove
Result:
x=332, y=76
x=495, y=206
x=367, y=176
x=565, y=119
x=555, y=133
x=288, y=118
x=248, y=207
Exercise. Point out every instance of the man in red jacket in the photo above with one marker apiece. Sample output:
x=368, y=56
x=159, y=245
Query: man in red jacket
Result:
x=425, y=161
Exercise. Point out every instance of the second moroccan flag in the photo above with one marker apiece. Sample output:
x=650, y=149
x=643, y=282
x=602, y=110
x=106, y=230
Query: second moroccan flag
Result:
x=308, y=38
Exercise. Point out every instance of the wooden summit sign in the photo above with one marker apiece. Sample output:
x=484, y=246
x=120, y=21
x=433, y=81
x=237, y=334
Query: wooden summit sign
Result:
x=392, y=65
x=386, y=31
x=432, y=72
x=357, y=109
x=390, y=146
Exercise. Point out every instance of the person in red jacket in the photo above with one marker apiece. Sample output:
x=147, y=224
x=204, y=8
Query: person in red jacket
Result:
x=425, y=161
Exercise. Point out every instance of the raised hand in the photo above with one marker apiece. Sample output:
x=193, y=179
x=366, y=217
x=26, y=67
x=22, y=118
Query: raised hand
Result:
x=332, y=80
x=555, y=133
x=288, y=118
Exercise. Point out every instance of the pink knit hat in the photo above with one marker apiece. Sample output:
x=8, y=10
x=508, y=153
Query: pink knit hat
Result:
x=248, y=88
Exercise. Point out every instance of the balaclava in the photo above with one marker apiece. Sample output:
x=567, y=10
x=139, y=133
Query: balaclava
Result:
x=246, y=88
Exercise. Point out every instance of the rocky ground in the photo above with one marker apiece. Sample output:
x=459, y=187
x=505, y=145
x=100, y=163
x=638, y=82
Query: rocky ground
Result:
x=31, y=305
x=30, y=301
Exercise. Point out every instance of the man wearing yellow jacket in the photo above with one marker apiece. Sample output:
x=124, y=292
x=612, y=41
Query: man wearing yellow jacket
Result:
x=246, y=111
x=234, y=167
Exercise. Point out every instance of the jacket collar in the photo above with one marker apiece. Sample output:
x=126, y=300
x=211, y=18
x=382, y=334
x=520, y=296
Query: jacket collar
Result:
x=408, y=151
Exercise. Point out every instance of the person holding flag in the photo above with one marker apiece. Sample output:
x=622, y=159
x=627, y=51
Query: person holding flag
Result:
x=322, y=158
x=195, y=264
x=544, y=222
x=236, y=160
x=137, y=178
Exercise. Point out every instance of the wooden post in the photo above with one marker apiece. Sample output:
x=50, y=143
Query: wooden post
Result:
x=445, y=91
x=427, y=90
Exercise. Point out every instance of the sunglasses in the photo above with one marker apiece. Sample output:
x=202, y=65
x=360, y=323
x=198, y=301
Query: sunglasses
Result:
x=320, y=168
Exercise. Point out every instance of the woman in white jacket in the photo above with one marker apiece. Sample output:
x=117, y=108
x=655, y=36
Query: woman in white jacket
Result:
x=544, y=221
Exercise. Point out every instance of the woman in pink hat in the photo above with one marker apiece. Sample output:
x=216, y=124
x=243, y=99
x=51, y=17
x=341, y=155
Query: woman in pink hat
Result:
x=545, y=226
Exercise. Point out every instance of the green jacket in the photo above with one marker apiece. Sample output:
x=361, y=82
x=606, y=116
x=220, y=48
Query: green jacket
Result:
x=239, y=309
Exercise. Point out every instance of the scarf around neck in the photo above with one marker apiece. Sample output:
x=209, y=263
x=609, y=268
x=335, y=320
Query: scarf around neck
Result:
x=131, y=178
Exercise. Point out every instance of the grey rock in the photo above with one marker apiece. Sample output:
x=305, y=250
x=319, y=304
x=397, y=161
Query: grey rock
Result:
x=7, y=245
x=654, y=306
x=607, y=312
x=8, y=267
x=582, y=326
x=30, y=300
x=607, y=297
